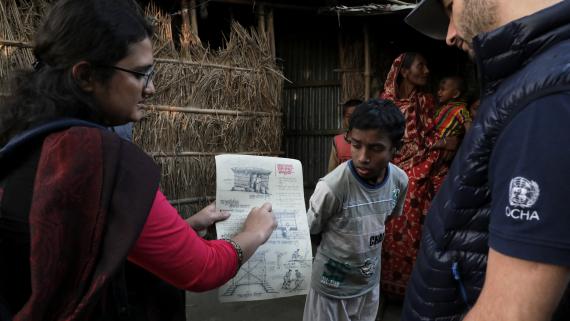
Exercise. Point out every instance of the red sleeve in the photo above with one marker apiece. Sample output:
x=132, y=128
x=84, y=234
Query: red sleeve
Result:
x=170, y=249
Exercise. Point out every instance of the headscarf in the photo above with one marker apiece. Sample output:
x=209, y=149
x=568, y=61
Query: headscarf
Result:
x=418, y=111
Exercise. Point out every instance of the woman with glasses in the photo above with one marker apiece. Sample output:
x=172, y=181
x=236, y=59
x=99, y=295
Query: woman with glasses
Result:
x=79, y=206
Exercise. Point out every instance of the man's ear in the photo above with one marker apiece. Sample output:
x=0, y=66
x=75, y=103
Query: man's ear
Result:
x=82, y=73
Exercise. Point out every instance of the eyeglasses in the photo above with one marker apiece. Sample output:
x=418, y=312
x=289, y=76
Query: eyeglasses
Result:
x=147, y=75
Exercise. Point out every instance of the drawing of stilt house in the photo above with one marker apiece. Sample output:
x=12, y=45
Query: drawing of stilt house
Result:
x=251, y=179
x=252, y=273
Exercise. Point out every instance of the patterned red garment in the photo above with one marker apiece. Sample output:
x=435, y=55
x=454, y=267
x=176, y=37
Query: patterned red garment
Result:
x=403, y=233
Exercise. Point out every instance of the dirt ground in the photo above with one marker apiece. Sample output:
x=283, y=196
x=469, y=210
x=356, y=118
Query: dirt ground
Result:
x=206, y=307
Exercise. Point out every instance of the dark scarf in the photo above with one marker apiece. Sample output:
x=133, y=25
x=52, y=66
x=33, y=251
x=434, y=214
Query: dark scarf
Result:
x=92, y=193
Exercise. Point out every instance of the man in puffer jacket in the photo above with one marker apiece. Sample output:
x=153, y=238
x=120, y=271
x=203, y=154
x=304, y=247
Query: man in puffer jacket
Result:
x=496, y=242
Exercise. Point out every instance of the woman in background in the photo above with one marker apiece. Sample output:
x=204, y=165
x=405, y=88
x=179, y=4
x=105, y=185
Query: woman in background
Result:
x=404, y=85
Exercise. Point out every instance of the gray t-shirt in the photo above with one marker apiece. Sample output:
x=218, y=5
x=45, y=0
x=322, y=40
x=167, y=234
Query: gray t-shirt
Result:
x=350, y=214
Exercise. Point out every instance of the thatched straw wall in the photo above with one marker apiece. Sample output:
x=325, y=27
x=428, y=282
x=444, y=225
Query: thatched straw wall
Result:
x=18, y=20
x=206, y=102
x=228, y=101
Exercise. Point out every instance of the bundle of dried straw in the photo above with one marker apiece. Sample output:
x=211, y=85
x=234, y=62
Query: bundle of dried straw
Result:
x=206, y=103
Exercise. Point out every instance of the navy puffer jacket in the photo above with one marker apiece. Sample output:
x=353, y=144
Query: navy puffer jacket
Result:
x=519, y=62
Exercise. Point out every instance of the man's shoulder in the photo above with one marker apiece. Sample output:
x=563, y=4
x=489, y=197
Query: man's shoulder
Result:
x=546, y=109
x=546, y=73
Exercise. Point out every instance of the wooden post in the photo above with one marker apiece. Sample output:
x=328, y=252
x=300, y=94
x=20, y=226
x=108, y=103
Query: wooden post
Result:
x=271, y=33
x=185, y=37
x=188, y=37
x=194, y=18
x=367, y=72
x=261, y=20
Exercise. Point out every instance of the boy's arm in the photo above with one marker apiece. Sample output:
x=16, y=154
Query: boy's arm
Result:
x=322, y=205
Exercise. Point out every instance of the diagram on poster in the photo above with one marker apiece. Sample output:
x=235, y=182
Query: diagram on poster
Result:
x=282, y=266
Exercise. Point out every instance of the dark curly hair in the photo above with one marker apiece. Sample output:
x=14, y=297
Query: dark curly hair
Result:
x=380, y=114
x=97, y=31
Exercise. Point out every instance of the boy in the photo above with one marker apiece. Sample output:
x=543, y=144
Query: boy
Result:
x=340, y=151
x=349, y=208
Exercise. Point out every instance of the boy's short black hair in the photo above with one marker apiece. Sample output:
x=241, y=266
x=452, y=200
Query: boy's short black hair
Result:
x=350, y=103
x=381, y=114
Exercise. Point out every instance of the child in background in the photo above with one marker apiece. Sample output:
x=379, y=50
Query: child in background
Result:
x=452, y=117
x=452, y=120
x=349, y=208
x=340, y=151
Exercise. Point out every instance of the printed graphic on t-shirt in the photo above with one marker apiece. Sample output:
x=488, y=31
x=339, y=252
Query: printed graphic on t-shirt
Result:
x=395, y=195
x=523, y=195
x=376, y=239
x=334, y=273
x=368, y=268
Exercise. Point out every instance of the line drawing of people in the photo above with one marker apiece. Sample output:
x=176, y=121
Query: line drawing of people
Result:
x=252, y=178
x=298, y=278
x=287, y=280
x=257, y=184
x=296, y=255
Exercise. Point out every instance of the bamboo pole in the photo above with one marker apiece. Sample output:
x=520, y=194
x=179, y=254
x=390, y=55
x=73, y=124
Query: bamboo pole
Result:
x=185, y=37
x=195, y=110
x=200, y=64
x=271, y=33
x=208, y=154
x=261, y=20
x=24, y=44
x=367, y=73
x=188, y=38
x=13, y=43
x=194, y=18
x=192, y=200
